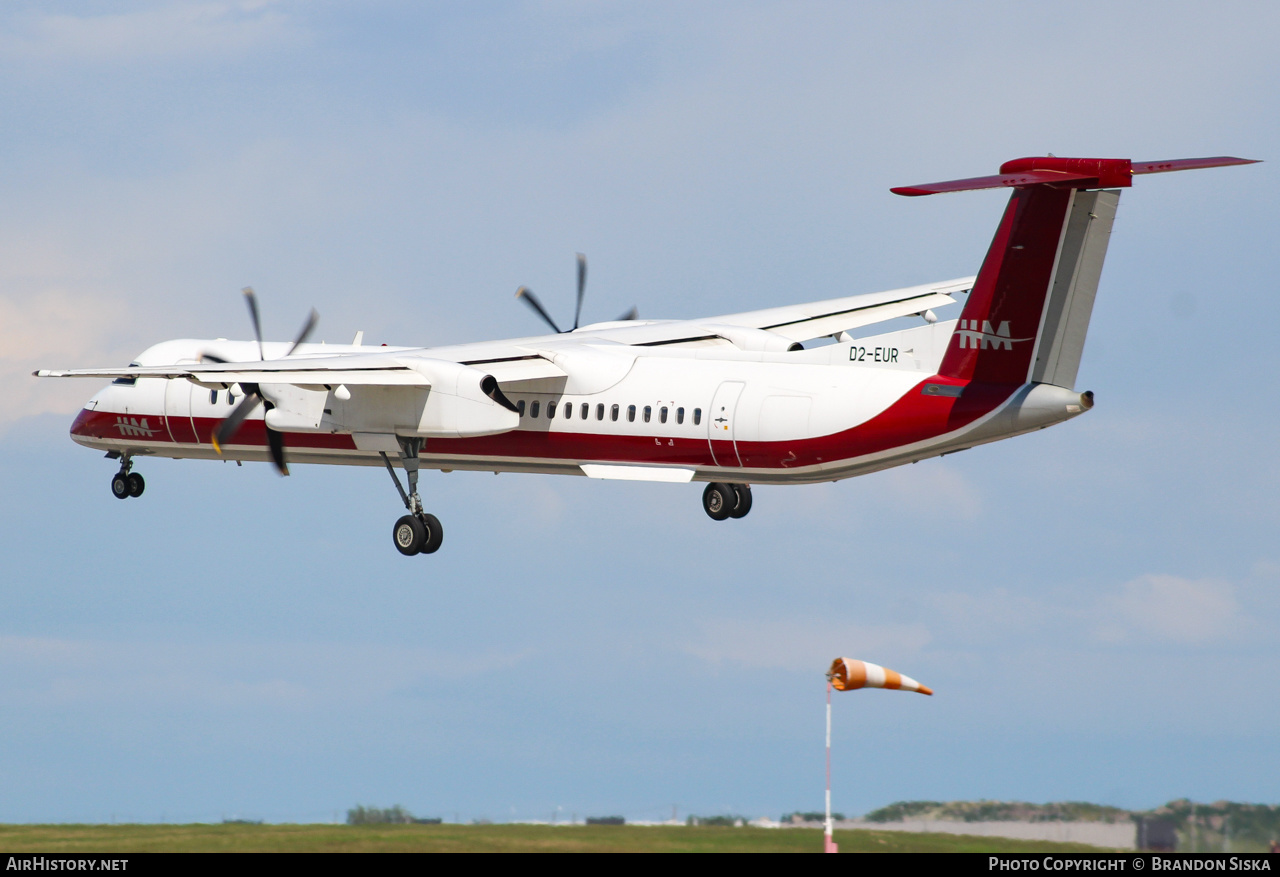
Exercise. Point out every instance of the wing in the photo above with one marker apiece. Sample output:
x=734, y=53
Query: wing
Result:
x=382, y=370
x=821, y=318
x=793, y=323
x=525, y=359
x=387, y=369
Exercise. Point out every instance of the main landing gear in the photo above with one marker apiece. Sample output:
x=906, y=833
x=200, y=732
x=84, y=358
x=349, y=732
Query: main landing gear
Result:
x=721, y=501
x=416, y=532
x=125, y=483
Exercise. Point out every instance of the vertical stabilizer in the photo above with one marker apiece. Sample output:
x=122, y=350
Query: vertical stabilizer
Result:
x=996, y=337
x=1028, y=314
x=1075, y=283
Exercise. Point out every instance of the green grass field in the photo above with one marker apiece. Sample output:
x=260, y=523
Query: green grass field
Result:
x=488, y=838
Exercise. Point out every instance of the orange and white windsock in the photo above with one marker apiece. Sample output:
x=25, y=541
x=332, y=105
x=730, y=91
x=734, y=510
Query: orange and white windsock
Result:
x=847, y=674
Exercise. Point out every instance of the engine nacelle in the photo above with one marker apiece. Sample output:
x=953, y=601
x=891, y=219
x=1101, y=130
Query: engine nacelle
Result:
x=749, y=339
x=463, y=401
x=460, y=402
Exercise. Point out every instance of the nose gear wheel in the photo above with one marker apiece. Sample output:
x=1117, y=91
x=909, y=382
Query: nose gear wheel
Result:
x=125, y=483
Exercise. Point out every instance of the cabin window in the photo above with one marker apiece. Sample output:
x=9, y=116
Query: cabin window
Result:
x=231, y=398
x=662, y=415
x=551, y=411
x=631, y=414
x=697, y=416
x=600, y=411
x=520, y=407
x=568, y=410
x=213, y=397
x=533, y=408
x=613, y=413
x=648, y=413
x=679, y=415
x=586, y=409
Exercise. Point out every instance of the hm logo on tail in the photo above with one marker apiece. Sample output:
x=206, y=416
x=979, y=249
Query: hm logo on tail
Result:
x=987, y=338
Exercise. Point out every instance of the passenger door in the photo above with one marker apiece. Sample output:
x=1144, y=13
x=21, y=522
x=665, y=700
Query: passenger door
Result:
x=720, y=425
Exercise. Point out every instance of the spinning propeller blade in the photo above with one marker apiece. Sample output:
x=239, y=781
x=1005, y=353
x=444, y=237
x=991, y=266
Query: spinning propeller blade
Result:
x=526, y=295
x=252, y=301
x=253, y=393
x=227, y=428
x=275, y=440
x=582, y=287
x=306, y=331
x=532, y=301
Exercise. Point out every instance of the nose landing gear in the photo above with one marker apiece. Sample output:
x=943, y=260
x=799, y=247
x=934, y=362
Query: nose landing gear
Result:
x=417, y=532
x=125, y=483
x=722, y=501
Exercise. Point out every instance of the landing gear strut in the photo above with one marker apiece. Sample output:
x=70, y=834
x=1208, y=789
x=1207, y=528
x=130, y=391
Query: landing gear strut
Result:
x=721, y=501
x=417, y=532
x=125, y=483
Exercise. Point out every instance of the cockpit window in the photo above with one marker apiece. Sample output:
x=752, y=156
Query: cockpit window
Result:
x=129, y=381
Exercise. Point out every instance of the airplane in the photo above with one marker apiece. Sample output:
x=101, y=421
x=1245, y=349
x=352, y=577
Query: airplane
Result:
x=732, y=400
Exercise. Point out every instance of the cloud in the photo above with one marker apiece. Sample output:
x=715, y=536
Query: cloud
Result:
x=172, y=31
x=1266, y=568
x=1174, y=609
x=933, y=488
x=53, y=671
x=801, y=645
x=50, y=329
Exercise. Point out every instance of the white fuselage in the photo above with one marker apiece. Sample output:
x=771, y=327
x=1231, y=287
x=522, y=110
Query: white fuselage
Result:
x=711, y=413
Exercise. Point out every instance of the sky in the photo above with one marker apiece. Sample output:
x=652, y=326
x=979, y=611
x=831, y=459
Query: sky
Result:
x=1096, y=605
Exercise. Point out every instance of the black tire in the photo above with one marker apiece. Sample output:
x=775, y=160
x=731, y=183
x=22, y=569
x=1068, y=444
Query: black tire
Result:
x=120, y=486
x=435, y=534
x=743, y=494
x=717, y=500
x=409, y=535
x=137, y=484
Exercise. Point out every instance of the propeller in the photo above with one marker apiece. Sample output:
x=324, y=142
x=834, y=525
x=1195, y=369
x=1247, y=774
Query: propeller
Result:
x=253, y=393
x=526, y=295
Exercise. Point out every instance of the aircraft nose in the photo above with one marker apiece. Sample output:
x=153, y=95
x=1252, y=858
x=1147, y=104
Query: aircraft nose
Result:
x=84, y=424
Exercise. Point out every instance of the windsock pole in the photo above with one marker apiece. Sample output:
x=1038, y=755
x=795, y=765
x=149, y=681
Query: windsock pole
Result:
x=848, y=675
x=828, y=842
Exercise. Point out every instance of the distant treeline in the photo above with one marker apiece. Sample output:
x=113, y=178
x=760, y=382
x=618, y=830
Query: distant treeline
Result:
x=397, y=815
x=810, y=816
x=997, y=811
x=1220, y=826
x=730, y=821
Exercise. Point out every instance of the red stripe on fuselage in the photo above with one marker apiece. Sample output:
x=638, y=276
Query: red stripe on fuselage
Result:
x=913, y=418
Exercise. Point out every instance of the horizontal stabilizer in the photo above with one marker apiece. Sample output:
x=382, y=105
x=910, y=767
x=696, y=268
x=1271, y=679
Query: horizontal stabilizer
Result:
x=1075, y=173
x=1188, y=164
x=1030, y=178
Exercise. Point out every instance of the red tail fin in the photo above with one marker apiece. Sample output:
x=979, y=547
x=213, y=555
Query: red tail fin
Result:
x=997, y=332
x=1026, y=317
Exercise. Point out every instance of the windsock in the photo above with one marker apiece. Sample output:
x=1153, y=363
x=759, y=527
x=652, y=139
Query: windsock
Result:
x=847, y=674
